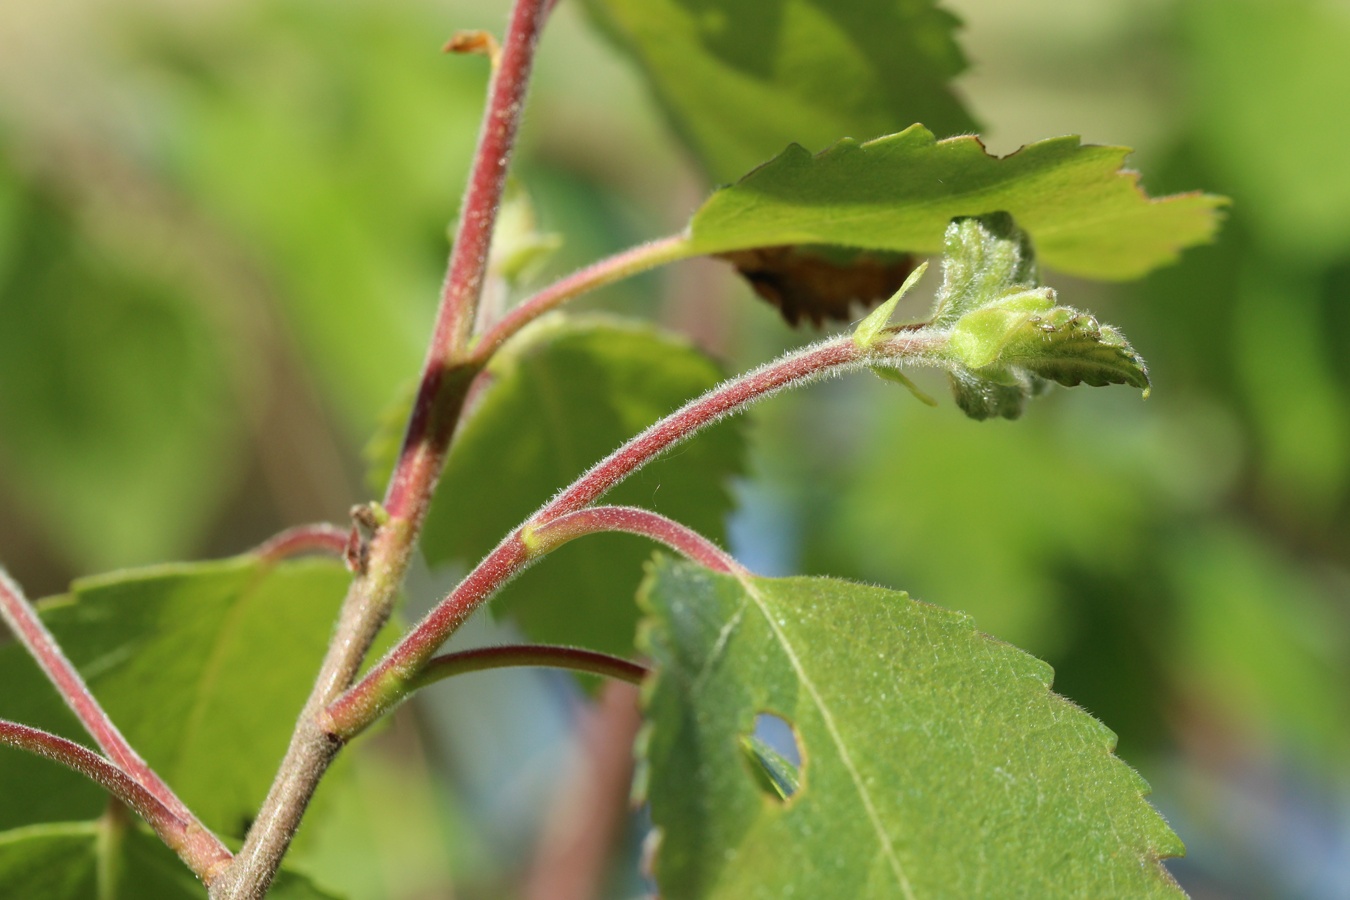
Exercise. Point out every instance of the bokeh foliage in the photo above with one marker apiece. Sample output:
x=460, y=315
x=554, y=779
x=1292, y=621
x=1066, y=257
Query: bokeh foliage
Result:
x=222, y=226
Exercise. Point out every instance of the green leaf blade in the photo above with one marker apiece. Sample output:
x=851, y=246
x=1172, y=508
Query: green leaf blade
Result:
x=1087, y=215
x=187, y=659
x=61, y=862
x=740, y=80
x=936, y=760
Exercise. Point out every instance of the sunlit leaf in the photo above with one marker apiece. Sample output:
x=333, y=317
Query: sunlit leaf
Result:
x=1006, y=335
x=741, y=79
x=1085, y=214
x=936, y=761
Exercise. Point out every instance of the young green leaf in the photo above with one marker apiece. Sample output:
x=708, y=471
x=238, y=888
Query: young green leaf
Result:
x=740, y=79
x=1087, y=215
x=870, y=328
x=186, y=659
x=563, y=396
x=937, y=762
x=1005, y=334
x=80, y=860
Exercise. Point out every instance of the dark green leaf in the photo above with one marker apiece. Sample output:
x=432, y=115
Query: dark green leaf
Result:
x=564, y=396
x=204, y=667
x=937, y=763
x=740, y=79
x=64, y=861
x=1087, y=216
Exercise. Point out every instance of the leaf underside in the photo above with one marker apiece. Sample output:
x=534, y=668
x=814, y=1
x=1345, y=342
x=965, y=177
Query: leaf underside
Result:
x=820, y=284
x=936, y=761
x=1086, y=214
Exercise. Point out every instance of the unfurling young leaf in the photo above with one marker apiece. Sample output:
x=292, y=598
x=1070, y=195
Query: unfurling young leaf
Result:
x=870, y=328
x=1007, y=336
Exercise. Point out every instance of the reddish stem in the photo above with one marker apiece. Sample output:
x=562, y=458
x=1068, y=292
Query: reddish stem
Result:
x=329, y=540
x=607, y=271
x=446, y=377
x=205, y=855
x=632, y=520
x=386, y=681
x=23, y=620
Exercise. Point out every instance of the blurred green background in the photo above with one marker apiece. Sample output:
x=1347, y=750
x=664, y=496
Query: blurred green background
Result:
x=223, y=225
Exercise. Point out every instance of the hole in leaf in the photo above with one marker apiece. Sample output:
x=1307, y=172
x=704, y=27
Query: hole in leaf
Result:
x=775, y=756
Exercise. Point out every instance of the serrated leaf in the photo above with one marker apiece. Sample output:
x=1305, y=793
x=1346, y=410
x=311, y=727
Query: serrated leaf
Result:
x=563, y=397
x=740, y=79
x=937, y=763
x=1006, y=335
x=62, y=862
x=1086, y=214
x=984, y=259
x=189, y=660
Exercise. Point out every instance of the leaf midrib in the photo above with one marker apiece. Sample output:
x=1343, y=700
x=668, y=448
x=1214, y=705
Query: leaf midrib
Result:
x=828, y=718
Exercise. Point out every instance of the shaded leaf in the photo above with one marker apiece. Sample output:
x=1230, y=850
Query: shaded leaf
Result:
x=1087, y=216
x=204, y=667
x=740, y=79
x=937, y=761
x=565, y=395
x=62, y=862
x=820, y=283
x=118, y=415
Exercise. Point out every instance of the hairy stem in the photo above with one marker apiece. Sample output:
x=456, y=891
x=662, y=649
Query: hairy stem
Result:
x=388, y=680
x=445, y=381
x=607, y=271
x=631, y=520
x=23, y=620
x=322, y=538
x=205, y=855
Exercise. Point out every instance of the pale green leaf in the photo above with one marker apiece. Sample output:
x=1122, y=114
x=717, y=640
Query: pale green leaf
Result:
x=63, y=862
x=1086, y=214
x=563, y=397
x=1006, y=335
x=519, y=248
x=740, y=79
x=204, y=667
x=937, y=762
x=870, y=328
